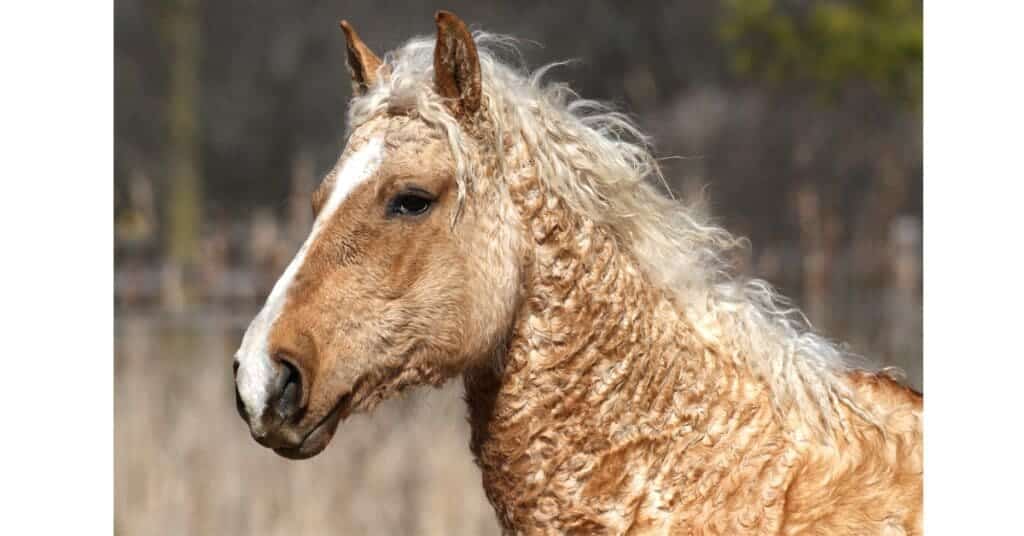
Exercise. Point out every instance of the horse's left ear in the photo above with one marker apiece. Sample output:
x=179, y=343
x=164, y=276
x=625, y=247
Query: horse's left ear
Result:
x=362, y=62
x=456, y=65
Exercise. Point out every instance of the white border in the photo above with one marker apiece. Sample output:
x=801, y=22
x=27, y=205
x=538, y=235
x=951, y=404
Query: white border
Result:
x=57, y=454
x=973, y=204
x=56, y=463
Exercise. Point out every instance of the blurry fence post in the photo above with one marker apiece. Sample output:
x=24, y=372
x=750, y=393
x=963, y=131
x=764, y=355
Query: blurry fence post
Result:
x=819, y=232
x=300, y=212
x=180, y=29
x=903, y=310
x=134, y=236
x=264, y=238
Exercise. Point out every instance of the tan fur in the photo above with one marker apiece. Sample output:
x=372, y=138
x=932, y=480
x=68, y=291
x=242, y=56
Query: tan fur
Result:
x=601, y=400
x=396, y=292
x=614, y=417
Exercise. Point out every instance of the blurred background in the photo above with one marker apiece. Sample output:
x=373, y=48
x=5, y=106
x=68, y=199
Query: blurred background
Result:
x=798, y=120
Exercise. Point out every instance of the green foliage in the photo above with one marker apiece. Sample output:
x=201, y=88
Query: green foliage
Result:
x=829, y=43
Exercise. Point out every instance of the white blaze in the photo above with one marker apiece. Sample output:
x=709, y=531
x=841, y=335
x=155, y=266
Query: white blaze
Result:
x=256, y=370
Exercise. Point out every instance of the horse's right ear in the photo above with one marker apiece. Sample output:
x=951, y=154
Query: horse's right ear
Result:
x=364, y=65
x=456, y=65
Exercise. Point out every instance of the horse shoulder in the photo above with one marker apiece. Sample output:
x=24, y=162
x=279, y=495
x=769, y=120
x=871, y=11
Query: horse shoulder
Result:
x=869, y=481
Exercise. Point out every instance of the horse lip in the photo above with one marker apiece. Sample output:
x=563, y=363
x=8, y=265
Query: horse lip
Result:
x=317, y=439
x=320, y=435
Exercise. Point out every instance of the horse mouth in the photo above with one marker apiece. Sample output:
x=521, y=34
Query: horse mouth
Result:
x=320, y=436
x=360, y=398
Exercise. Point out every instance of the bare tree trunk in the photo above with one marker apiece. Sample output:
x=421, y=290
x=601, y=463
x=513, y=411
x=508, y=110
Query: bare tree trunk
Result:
x=184, y=193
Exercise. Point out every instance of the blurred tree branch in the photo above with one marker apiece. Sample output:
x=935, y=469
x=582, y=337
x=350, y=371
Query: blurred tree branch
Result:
x=829, y=43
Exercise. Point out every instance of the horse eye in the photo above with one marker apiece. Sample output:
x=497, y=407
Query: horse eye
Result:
x=409, y=204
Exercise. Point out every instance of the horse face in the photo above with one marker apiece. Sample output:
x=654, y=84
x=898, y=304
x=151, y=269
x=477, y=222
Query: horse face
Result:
x=385, y=293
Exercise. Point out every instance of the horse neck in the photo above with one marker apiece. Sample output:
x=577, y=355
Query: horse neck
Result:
x=597, y=354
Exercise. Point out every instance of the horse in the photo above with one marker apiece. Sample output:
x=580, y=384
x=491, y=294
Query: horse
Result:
x=620, y=376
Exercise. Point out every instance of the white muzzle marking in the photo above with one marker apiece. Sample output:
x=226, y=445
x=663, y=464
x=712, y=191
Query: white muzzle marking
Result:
x=257, y=371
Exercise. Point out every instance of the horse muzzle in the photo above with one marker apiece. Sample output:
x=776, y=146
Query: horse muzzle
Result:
x=278, y=425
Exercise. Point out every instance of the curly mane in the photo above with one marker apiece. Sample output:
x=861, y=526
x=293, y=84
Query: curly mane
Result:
x=598, y=161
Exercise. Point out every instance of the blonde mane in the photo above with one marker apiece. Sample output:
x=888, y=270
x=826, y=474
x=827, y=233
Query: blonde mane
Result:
x=599, y=162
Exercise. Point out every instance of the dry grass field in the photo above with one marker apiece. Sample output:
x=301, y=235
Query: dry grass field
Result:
x=185, y=464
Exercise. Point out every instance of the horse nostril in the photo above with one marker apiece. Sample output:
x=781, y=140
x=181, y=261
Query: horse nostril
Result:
x=290, y=382
x=234, y=369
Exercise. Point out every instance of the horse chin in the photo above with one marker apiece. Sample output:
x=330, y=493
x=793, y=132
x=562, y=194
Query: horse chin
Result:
x=363, y=398
x=311, y=446
x=320, y=436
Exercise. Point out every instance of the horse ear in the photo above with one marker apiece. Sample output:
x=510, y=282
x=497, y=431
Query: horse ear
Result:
x=456, y=65
x=362, y=62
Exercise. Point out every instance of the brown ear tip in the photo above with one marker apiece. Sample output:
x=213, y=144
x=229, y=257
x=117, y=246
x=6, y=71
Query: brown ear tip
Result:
x=445, y=17
x=345, y=26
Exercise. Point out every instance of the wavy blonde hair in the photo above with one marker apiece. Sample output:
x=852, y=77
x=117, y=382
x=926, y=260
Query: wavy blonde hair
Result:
x=598, y=161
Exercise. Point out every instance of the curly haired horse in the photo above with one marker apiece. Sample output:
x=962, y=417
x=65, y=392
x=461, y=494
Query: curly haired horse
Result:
x=620, y=377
